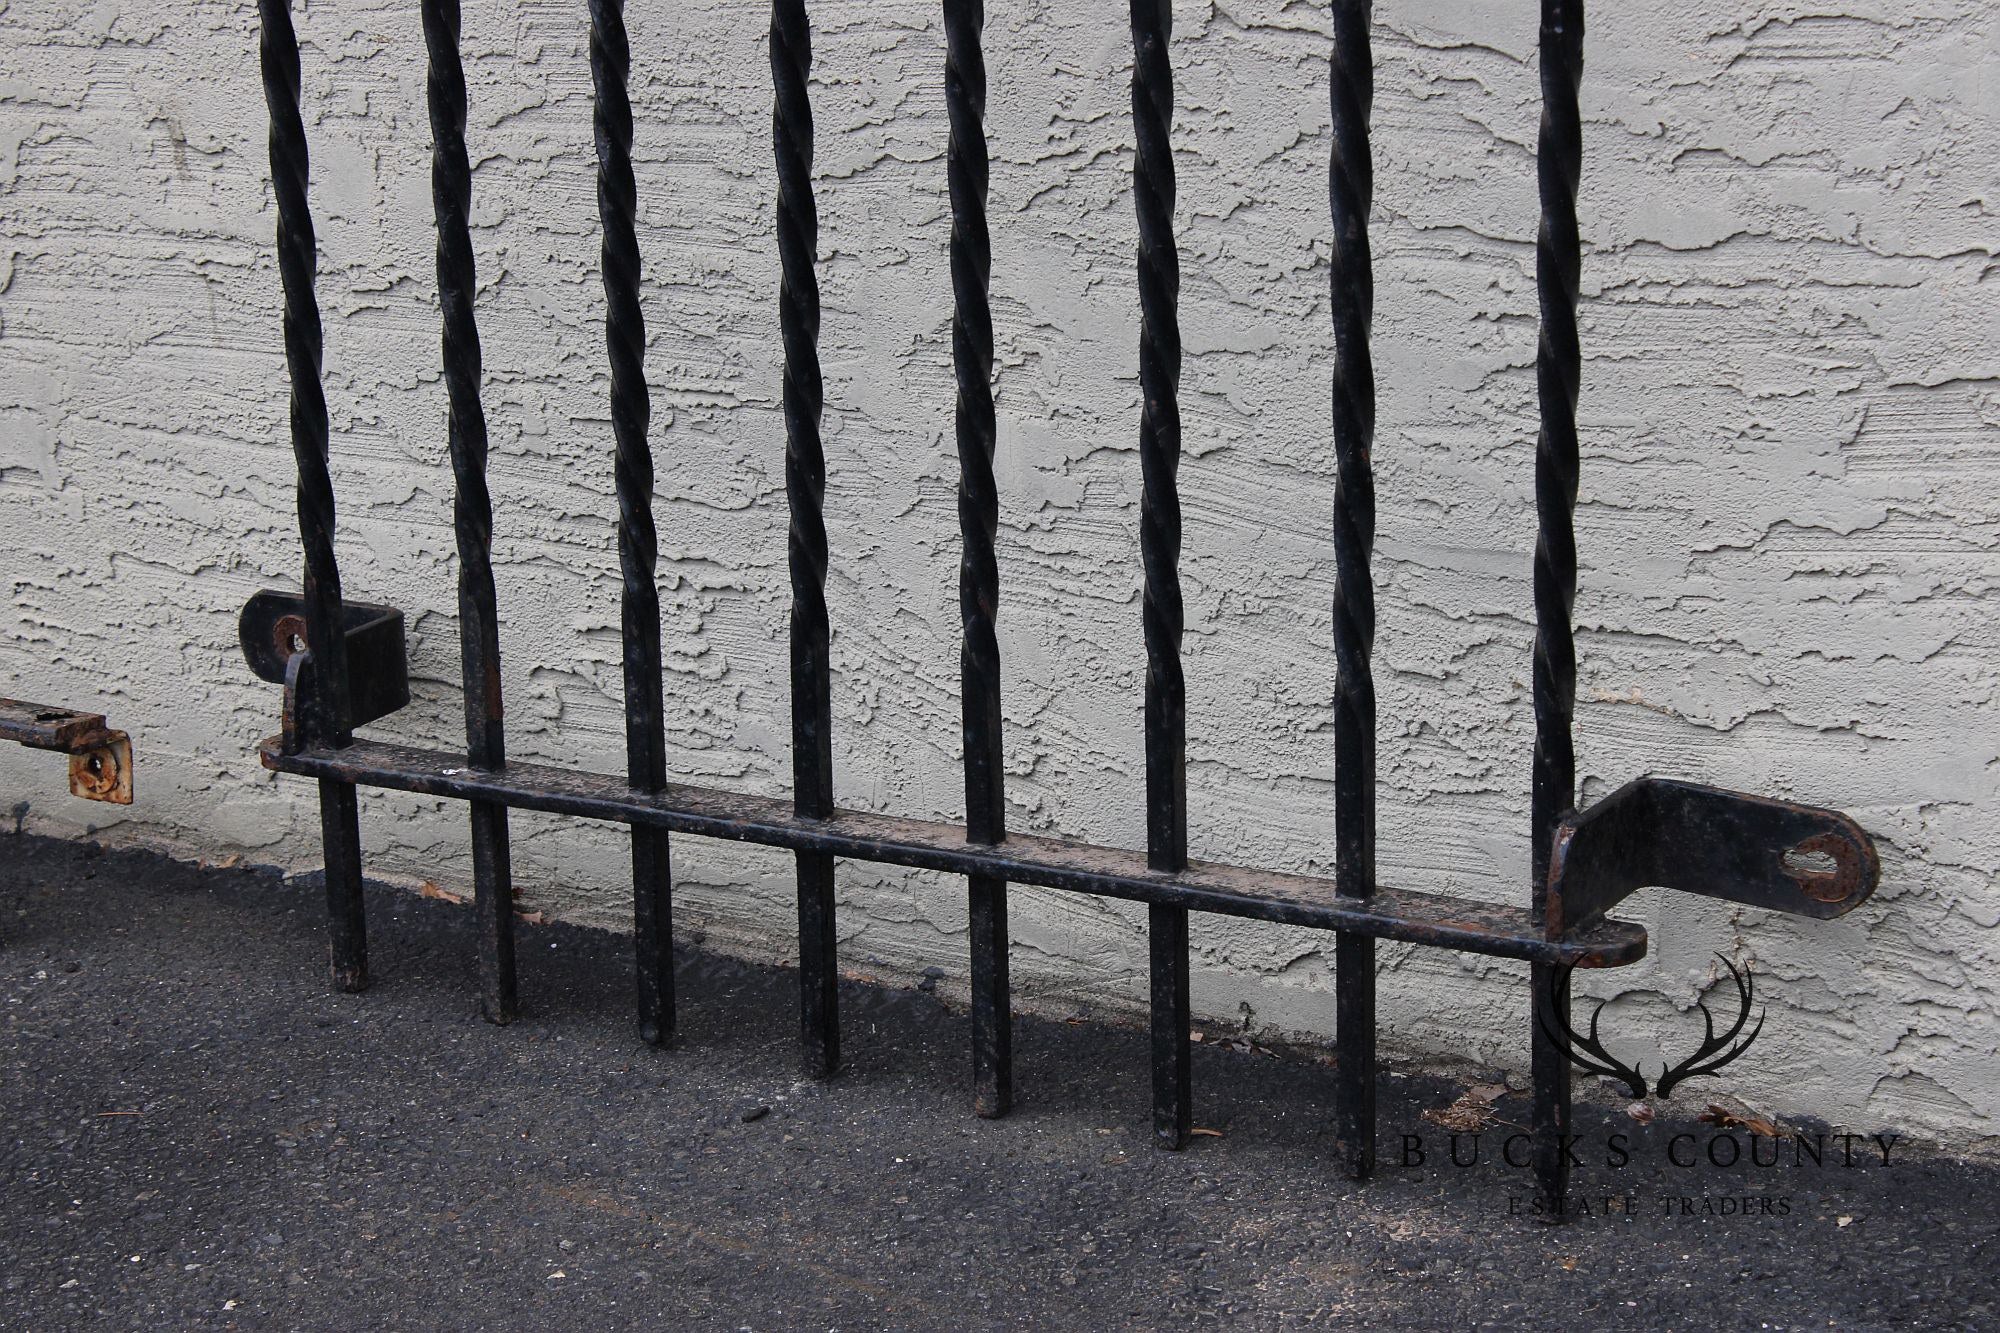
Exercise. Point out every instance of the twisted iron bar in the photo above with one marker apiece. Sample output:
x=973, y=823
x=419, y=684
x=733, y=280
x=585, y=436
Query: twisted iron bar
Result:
x=978, y=522
x=1160, y=434
x=631, y=404
x=1351, y=181
x=278, y=50
x=1350, y=190
x=972, y=359
x=1558, y=367
x=1159, y=552
x=638, y=543
x=472, y=506
x=327, y=720
x=1558, y=364
x=804, y=401
x=805, y=492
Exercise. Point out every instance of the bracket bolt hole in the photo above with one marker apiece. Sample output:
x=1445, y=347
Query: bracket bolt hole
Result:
x=289, y=635
x=1824, y=867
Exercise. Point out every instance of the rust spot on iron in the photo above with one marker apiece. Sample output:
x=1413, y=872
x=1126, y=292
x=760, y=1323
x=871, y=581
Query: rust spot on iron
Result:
x=103, y=772
x=288, y=635
x=1834, y=885
x=100, y=759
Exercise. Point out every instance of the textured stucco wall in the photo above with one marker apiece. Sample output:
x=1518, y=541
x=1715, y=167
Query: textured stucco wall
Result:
x=1788, y=525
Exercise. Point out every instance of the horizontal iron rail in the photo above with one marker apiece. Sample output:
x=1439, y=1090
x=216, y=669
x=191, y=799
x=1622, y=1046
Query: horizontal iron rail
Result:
x=46, y=727
x=1054, y=863
x=100, y=758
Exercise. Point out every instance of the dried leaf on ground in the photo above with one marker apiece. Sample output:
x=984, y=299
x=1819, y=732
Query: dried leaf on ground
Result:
x=1730, y=1113
x=1472, y=1112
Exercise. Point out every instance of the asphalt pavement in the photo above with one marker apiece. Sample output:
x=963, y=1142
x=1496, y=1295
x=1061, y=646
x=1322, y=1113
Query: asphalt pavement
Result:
x=196, y=1133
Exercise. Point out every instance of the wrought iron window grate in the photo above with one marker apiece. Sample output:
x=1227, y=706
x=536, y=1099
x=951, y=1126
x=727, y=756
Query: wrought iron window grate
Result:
x=342, y=663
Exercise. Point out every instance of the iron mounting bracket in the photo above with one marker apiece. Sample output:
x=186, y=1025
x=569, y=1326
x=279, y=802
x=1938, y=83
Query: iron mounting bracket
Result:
x=272, y=631
x=1701, y=840
x=100, y=759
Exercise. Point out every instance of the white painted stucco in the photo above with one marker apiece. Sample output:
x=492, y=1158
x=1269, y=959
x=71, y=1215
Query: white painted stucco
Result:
x=1790, y=503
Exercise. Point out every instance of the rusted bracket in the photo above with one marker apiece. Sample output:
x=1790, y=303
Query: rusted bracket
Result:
x=272, y=630
x=1702, y=840
x=100, y=759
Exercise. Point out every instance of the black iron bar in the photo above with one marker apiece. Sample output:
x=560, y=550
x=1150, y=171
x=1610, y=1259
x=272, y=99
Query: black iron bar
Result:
x=339, y=816
x=638, y=545
x=979, y=570
x=1266, y=895
x=1160, y=548
x=1558, y=367
x=472, y=506
x=1351, y=187
x=805, y=490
